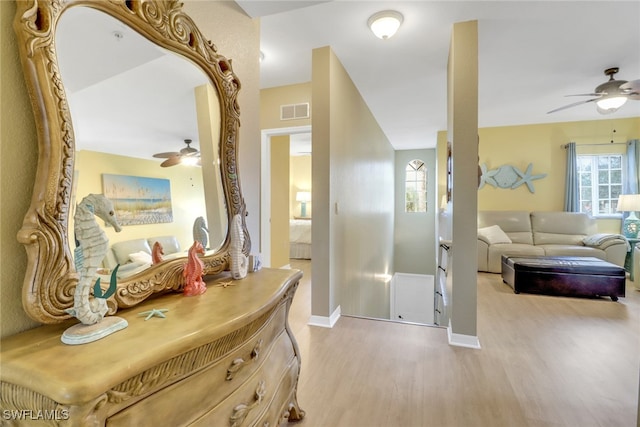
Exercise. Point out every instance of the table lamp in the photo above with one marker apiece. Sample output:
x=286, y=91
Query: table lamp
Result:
x=631, y=224
x=303, y=197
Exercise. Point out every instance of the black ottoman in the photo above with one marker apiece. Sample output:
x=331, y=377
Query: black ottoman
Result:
x=564, y=276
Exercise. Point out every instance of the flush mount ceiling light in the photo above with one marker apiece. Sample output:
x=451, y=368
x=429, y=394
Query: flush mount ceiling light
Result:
x=384, y=24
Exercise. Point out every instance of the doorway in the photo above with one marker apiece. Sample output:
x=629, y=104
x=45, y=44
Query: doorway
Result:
x=265, y=184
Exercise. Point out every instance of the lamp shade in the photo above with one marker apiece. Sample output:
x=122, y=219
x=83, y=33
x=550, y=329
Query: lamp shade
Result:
x=630, y=224
x=384, y=24
x=303, y=196
x=629, y=203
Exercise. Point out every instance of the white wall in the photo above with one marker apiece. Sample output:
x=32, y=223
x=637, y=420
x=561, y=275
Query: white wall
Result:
x=353, y=208
x=415, y=236
x=462, y=131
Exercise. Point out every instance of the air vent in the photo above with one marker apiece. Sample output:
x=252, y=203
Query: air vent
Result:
x=294, y=111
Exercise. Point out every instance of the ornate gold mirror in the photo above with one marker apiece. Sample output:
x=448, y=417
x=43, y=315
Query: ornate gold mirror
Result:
x=47, y=230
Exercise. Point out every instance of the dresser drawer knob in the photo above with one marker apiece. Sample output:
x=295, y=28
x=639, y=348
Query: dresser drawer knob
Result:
x=241, y=411
x=256, y=350
x=240, y=362
x=234, y=368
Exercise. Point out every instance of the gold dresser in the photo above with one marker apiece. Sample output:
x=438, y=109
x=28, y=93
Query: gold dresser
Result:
x=224, y=358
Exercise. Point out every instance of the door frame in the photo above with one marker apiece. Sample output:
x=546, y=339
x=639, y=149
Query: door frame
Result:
x=265, y=185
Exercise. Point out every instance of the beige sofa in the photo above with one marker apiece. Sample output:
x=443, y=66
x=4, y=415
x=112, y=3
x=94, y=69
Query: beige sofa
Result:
x=135, y=255
x=522, y=233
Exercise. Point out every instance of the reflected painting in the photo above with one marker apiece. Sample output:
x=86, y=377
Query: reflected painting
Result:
x=139, y=200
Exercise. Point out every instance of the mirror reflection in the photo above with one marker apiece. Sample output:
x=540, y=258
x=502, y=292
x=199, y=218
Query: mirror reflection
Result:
x=147, y=131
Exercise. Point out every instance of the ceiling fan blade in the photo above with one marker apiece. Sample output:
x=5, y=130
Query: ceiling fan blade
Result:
x=188, y=150
x=586, y=94
x=166, y=155
x=631, y=89
x=572, y=105
x=171, y=161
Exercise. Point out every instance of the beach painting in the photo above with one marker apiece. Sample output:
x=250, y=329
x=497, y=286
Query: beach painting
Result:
x=139, y=200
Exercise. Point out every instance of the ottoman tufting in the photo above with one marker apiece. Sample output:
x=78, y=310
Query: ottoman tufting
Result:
x=564, y=276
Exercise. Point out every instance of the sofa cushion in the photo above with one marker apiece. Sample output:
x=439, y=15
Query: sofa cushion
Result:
x=516, y=224
x=493, y=234
x=572, y=250
x=169, y=244
x=122, y=250
x=561, y=228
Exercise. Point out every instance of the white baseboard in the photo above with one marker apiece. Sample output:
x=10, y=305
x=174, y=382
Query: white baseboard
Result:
x=460, y=340
x=324, y=321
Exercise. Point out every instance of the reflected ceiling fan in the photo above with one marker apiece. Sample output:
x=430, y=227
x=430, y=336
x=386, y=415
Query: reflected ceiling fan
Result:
x=611, y=95
x=186, y=156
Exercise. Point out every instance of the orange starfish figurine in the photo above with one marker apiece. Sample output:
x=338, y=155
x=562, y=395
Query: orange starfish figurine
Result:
x=193, y=283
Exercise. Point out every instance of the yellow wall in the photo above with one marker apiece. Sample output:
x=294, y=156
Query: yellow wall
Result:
x=541, y=144
x=19, y=155
x=187, y=196
x=271, y=100
x=300, y=180
x=280, y=201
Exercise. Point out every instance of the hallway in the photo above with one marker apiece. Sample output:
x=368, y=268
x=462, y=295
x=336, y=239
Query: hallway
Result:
x=545, y=361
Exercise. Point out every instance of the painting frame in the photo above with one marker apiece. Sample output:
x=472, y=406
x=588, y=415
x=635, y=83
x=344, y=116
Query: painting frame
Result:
x=139, y=200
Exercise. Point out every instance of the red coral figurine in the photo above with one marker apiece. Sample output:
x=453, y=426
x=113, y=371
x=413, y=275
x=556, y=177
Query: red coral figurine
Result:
x=156, y=253
x=193, y=283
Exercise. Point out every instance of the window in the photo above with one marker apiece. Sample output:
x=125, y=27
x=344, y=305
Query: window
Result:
x=415, y=192
x=600, y=183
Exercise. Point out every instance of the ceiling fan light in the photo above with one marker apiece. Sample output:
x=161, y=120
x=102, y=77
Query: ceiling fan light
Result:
x=189, y=160
x=385, y=24
x=611, y=103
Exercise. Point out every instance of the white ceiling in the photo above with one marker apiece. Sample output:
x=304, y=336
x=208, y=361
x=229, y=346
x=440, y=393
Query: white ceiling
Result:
x=531, y=55
x=138, y=104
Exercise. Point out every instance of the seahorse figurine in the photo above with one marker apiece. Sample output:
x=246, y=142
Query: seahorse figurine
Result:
x=239, y=261
x=200, y=231
x=156, y=253
x=193, y=283
x=91, y=247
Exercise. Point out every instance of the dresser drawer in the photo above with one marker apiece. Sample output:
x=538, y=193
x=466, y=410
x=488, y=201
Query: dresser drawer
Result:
x=175, y=405
x=279, y=409
x=261, y=397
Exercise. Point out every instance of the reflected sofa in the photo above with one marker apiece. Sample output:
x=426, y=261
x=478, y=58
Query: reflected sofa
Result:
x=135, y=255
x=523, y=233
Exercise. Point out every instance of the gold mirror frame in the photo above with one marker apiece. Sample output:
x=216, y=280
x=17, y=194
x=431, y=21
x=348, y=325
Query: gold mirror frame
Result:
x=50, y=277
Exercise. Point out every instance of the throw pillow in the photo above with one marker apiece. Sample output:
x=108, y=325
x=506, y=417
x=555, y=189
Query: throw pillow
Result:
x=141, y=257
x=493, y=235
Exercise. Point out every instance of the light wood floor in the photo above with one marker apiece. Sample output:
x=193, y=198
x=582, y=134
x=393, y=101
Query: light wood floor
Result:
x=545, y=361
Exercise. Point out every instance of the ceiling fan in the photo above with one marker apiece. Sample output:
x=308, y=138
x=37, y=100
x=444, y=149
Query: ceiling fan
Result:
x=188, y=155
x=611, y=95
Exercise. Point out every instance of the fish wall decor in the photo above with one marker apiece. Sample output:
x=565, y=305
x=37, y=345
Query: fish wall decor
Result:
x=507, y=176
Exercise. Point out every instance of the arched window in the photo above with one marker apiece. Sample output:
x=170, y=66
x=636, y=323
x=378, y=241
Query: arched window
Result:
x=415, y=187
